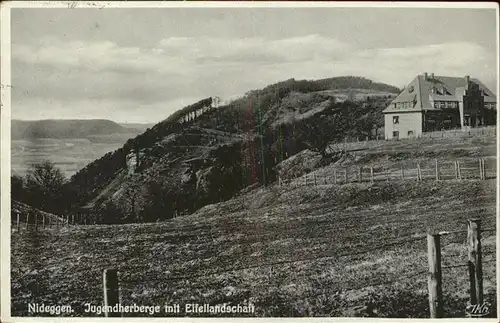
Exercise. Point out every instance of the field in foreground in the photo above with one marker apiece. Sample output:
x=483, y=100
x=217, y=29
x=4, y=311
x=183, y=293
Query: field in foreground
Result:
x=350, y=250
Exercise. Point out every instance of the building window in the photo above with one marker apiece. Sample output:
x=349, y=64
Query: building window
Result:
x=442, y=105
x=410, y=133
x=436, y=105
x=452, y=105
x=398, y=105
x=395, y=134
x=490, y=105
x=395, y=119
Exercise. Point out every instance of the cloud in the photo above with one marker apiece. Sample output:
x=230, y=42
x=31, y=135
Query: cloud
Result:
x=239, y=50
x=87, y=78
x=395, y=65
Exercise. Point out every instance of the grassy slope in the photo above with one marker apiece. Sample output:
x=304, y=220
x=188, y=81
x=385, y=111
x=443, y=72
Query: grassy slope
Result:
x=328, y=244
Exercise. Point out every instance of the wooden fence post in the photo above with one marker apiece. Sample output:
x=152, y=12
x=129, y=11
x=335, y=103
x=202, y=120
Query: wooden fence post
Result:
x=402, y=173
x=484, y=168
x=305, y=180
x=314, y=176
x=387, y=173
x=480, y=169
x=27, y=219
x=17, y=220
x=419, y=172
x=111, y=291
x=475, y=260
x=335, y=175
x=346, y=179
x=434, y=277
x=361, y=174
x=371, y=175
x=43, y=222
x=73, y=219
x=36, y=221
x=458, y=171
x=437, y=170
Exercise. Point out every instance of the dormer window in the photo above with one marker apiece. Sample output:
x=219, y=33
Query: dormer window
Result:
x=411, y=88
x=439, y=104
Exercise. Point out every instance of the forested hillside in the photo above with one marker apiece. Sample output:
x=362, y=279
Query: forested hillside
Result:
x=184, y=166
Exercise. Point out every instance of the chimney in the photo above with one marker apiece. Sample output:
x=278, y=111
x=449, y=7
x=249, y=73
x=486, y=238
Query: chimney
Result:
x=467, y=79
x=425, y=76
x=432, y=76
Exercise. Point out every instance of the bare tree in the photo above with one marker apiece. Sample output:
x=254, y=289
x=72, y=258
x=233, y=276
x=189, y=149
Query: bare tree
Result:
x=44, y=185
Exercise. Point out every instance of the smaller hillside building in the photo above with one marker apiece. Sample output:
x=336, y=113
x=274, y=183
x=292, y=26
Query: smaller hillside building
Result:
x=433, y=103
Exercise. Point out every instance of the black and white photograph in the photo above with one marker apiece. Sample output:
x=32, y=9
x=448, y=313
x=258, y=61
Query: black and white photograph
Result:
x=249, y=159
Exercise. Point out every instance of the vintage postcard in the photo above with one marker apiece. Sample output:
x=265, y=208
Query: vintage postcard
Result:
x=238, y=160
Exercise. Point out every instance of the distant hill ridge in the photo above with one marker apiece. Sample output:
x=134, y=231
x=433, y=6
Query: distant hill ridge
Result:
x=66, y=128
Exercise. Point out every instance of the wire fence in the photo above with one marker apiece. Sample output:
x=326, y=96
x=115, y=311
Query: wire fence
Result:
x=464, y=169
x=461, y=133
x=129, y=282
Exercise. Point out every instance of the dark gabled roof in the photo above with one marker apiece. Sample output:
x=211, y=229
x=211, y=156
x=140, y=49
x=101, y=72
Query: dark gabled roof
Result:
x=411, y=93
x=423, y=92
x=489, y=96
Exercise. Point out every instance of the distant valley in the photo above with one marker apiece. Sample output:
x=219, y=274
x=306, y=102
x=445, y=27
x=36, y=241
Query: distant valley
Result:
x=138, y=126
x=69, y=144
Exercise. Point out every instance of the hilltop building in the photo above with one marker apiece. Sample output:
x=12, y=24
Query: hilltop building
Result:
x=433, y=103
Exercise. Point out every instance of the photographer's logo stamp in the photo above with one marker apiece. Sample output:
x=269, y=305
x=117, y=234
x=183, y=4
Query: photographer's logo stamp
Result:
x=478, y=310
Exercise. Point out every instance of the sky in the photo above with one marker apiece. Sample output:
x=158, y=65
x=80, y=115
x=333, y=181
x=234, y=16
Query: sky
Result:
x=141, y=65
